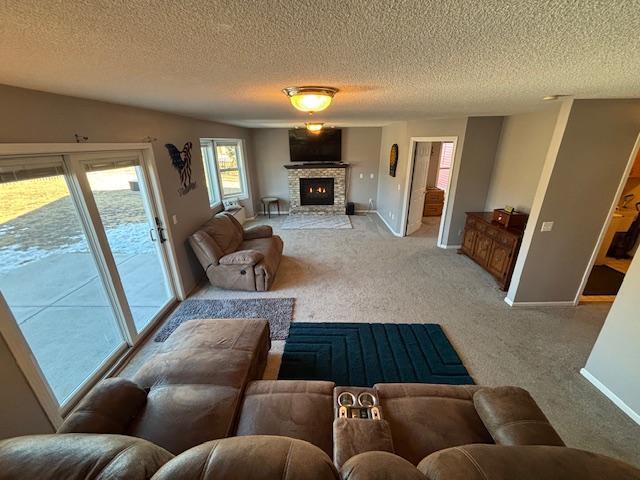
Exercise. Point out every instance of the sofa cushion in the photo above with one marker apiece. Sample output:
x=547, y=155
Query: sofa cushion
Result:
x=425, y=418
x=109, y=407
x=224, y=232
x=379, y=466
x=79, y=457
x=291, y=408
x=178, y=417
x=253, y=457
x=501, y=462
x=514, y=418
x=270, y=248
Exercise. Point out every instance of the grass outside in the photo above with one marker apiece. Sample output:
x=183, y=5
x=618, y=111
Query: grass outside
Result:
x=25, y=196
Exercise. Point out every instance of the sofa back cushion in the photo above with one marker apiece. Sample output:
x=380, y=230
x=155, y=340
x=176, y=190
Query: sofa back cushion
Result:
x=226, y=233
x=80, y=456
x=253, y=457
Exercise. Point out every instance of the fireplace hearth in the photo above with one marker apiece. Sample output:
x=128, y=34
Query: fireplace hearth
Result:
x=316, y=191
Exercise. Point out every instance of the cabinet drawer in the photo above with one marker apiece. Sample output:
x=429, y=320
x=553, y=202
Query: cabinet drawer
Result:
x=432, y=210
x=434, y=196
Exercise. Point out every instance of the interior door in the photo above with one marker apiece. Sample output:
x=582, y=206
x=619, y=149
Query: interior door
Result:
x=117, y=190
x=418, y=186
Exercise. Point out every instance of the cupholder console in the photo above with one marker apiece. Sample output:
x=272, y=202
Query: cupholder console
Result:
x=356, y=402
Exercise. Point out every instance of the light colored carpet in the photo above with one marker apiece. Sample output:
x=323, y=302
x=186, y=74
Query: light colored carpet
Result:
x=365, y=274
x=312, y=221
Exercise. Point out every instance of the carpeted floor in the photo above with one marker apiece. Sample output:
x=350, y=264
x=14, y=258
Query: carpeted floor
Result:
x=367, y=275
x=309, y=222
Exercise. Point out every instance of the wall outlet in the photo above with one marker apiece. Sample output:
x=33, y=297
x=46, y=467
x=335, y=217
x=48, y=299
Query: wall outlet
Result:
x=398, y=187
x=459, y=233
x=546, y=226
x=361, y=175
x=371, y=175
x=393, y=216
x=175, y=219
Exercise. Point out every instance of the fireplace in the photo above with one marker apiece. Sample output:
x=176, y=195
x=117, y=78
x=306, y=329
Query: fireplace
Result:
x=316, y=191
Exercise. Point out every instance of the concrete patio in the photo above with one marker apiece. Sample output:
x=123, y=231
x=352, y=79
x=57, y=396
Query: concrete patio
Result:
x=62, y=310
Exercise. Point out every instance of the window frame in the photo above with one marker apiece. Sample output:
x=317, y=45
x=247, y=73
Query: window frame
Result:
x=217, y=191
x=440, y=167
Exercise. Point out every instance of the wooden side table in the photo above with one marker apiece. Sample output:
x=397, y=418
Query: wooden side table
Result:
x=266, y=205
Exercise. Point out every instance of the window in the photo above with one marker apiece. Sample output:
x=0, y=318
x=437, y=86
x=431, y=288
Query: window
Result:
x=224, y=169
x=444, y=170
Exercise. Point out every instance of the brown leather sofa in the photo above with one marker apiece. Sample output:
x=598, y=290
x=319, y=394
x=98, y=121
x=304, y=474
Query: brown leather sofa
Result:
x=199, y=390
x=235, y=258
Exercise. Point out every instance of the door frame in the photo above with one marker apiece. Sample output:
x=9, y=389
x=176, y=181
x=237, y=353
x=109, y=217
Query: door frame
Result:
x=9, y=328
x=409, y=180
x=605, y=227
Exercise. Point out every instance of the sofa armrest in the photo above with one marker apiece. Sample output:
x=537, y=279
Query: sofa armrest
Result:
x=205, y=248
x=259, y=231
x=108, y=408
x=513, y=417
x=242, y=257
x=525, y=462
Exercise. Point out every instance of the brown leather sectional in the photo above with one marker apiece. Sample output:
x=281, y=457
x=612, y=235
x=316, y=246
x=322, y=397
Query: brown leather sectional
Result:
x=197, y=410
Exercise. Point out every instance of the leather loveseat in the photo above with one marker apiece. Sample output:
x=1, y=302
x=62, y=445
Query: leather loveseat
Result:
x=198, y=400
x=235, y=258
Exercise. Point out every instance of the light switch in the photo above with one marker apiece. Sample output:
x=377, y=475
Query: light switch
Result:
x=175, y=219
x=371, y=175
x=398, y=187
x=546, y=226
x=362, y=175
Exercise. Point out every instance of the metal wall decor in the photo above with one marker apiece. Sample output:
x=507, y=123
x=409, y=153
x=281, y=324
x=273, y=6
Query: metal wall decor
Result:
x=181, y=161
x=393, y=160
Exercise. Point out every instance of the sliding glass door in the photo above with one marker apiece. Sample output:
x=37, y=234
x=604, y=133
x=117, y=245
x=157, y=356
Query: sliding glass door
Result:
x=83, y=261
x=134, y=233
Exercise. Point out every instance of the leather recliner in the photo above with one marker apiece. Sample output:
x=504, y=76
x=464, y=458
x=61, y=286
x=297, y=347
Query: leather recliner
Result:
x=235, y=258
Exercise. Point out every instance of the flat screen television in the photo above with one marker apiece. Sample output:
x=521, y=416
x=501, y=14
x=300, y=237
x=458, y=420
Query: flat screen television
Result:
x=325, y=146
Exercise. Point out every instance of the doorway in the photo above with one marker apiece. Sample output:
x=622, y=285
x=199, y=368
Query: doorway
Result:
x=432, y=164
x=620, y=240
x=85, y=263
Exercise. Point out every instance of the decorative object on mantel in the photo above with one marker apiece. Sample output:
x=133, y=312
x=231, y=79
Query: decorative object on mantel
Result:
x=314, y=127
x=393, y=160
x=181, y=161
x=80, y=138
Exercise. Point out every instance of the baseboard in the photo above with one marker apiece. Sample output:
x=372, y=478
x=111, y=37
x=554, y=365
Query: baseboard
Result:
x=388, y=226
x=273, y=214
x=450, y=247
x=610, y=395
x=511, y=303
x=365, y=211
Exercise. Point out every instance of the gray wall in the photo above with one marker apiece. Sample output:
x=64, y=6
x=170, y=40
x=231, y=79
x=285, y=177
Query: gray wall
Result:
x=524, y=142
x=474, y=174
x=360, y=148
x=20, y=411
x=615, y=358
x=391, y=189
x=593, y=154
x=38, y=117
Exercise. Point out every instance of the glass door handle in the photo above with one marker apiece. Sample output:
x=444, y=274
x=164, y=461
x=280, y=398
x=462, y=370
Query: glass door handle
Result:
x=161, y=235
x=153, y=239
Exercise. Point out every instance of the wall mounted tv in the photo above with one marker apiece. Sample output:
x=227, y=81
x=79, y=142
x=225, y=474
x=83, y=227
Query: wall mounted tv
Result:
x=325, y=146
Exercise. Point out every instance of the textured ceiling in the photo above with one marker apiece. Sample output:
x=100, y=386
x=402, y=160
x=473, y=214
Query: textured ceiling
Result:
x=392, y=59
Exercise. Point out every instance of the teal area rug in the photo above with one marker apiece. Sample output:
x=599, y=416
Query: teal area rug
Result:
x=363, y=354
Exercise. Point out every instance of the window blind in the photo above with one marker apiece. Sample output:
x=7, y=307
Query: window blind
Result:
x=15, y=169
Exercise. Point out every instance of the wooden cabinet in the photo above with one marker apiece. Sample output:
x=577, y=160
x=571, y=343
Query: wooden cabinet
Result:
x=433, y=202
x=491, y=245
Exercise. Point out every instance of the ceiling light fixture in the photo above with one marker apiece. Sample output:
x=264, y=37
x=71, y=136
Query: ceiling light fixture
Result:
x=553, y=97
x=314, y=127
x=310, y=99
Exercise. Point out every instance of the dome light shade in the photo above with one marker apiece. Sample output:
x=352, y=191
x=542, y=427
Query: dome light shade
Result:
x=310, y=99
x=314, y=127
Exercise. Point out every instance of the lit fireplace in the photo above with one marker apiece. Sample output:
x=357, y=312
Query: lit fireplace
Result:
x=316, y=191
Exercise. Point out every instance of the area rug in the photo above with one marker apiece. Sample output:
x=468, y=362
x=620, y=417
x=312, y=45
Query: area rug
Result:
x=363, y=354
x=603, y=280
x=278, y=311
x=305, y=222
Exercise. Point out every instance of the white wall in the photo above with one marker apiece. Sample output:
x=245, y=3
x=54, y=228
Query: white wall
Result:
x=615, y=358
x=360, y=149
x=524, y=142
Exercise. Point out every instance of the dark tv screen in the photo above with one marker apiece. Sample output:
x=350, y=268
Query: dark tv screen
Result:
x=325, y=146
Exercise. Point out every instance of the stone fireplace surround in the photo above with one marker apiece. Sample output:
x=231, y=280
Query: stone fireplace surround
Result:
x=337, y=171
